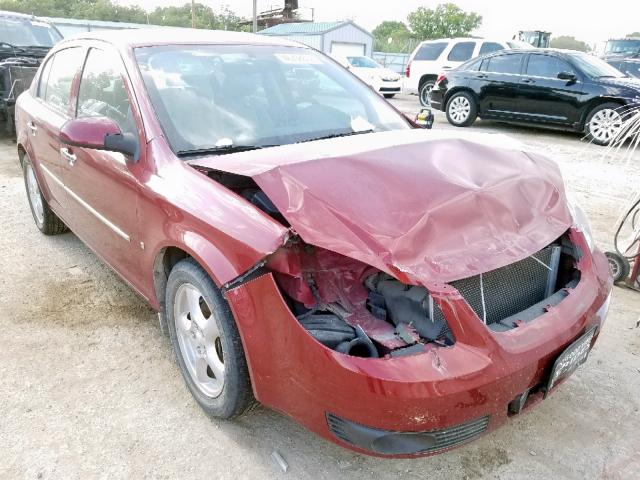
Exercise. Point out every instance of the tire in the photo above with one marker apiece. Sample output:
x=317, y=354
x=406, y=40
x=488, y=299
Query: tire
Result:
x=389, y=95
x=425, y=88
x=619, y=266
x=212, y=341
x=608, y=118
x=462, y=109
x=46, y=221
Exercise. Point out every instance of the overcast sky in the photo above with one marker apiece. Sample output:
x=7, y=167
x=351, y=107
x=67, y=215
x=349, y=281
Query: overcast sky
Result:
x=585, y=19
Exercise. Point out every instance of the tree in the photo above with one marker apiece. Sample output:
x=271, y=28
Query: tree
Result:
x=206, y=17
x=398, y=32
x=634, y=34
x=569, y=43
x=445, y=21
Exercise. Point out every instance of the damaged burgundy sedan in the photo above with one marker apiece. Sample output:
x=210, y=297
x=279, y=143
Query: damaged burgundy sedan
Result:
x=395, y=290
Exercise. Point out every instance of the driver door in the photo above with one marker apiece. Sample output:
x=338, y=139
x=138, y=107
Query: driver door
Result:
x=102, y=186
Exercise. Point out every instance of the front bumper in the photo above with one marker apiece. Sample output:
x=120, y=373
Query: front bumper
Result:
x=467, y=387
x=392, y=87
x=436, y=99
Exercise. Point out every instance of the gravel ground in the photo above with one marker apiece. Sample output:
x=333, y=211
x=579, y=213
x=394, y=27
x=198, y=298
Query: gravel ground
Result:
x=89, y=388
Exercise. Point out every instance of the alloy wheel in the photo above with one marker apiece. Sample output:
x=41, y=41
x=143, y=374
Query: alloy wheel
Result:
x=35, y=198
x=459, y=109
x=605, y=125
x=199, y=340
x=424, y=94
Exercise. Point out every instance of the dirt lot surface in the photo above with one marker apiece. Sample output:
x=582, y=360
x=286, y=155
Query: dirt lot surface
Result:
x=89, y=388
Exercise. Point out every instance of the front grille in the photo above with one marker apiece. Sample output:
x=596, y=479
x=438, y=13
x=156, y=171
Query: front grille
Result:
x=513, y=288
x=399, y=443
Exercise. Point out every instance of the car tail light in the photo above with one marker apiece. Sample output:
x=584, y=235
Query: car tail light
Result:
x=408, y=70
x=440, y=78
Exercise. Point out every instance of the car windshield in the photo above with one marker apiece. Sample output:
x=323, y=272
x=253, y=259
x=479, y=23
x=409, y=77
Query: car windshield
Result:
x=623, y=47
x=27, y=33
x=594, y=67
x=363, y=62
x=210, y=97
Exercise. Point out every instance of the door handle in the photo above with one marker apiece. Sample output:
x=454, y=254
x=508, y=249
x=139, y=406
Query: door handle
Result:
x=481, y=75
x=32, y=126
x=70, y=157
x=446, y=67
x=528, y=80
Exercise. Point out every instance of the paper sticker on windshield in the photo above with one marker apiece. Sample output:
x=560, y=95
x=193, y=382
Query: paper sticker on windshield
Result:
x=298, y=58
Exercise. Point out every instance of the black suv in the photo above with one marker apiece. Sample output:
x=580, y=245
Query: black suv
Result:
x=24, y=41
x=555, y=88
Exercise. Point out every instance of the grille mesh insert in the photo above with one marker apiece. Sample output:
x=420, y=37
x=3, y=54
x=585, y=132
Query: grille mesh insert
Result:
x=369, y=438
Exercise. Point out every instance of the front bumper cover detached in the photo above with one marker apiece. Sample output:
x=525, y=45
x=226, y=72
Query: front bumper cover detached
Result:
x=419, y=404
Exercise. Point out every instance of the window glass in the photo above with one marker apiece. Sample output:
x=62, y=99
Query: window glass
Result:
x=363, y=62
x=461, y=52
x=503, y=64
x=490, y=47
x=64, y=66
x=546, y=66
x=631, y=68
x=102, y=92
x=22, y=32
x=259, y=96
x=430, y=51
x=44, y=77
x=472, y=65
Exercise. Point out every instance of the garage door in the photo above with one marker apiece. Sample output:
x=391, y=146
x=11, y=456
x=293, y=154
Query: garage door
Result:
x=343, y=49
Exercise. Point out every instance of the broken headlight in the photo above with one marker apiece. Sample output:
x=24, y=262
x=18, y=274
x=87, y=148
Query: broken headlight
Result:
x=581, y=222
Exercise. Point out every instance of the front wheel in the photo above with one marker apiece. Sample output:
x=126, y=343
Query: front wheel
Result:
x=206, y=342
x=389, y=95
x=425, y=88
x=604, y=124
x=461, y=109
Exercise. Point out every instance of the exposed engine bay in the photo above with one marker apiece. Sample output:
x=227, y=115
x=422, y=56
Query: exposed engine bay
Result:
x=358, y=310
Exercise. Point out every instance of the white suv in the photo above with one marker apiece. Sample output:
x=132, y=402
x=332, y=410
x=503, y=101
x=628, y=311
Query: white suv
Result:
x=431, y=57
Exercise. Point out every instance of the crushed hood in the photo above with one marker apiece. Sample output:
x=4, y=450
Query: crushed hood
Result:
x=423, y=206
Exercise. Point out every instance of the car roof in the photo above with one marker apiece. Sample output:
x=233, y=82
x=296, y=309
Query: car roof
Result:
x=177, y=36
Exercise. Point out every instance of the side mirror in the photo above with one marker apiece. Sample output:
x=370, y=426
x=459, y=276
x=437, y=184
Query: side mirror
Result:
x=100, y=133
x=424, y=119
x=568, y=76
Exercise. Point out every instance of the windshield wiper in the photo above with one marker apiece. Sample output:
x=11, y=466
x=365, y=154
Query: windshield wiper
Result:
x=220, y=150
x=336, y=135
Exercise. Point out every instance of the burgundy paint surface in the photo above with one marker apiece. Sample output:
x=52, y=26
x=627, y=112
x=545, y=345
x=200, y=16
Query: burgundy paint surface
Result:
x=420, y=205
x=88, y=131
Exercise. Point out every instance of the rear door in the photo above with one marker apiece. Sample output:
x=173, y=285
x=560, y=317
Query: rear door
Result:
x=544, y=97
x=103, y=186
x=51, y=108
x=496, y=85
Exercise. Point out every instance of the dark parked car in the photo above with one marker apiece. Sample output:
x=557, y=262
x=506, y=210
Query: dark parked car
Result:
x=554, y=88
x=308, y=247
x=628, y=66
x=24, y=41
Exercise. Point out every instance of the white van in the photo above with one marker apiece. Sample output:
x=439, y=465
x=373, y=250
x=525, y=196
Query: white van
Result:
x=431, y=57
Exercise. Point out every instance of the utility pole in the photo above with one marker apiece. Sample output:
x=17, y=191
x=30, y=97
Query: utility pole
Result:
x=193, y=13
x=255, y=16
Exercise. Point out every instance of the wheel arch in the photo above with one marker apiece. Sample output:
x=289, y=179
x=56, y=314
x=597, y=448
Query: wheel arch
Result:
x=595, y=102
x=459, y=89
x=21, y=153
x=425, y=78
x=204, y=253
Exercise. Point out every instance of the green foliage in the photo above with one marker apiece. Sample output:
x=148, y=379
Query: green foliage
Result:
x=445, y=21
x=569, y=43
x=634, y=34
x=206, y=17
x=398, y=32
